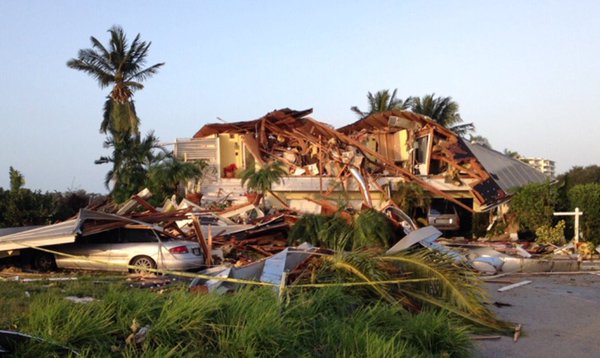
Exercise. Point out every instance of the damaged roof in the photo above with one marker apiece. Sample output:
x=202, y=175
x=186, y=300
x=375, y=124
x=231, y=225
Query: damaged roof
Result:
x=507, y=172
x=491, y=175
x=282, y=117
x=392, y=121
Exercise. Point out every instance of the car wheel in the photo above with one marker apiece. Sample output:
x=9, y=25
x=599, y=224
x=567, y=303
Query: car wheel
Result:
x=44, y=262
x=143, y=262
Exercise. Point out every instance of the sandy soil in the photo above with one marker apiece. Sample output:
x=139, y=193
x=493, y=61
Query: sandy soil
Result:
x=560, y=315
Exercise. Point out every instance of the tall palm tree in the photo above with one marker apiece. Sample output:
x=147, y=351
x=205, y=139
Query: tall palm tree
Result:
x=120, y=64
x=132, y=157
x=262, y=180
x=381, y=101
x=442, y=110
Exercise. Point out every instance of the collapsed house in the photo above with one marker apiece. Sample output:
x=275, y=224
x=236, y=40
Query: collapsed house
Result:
x=364, y=162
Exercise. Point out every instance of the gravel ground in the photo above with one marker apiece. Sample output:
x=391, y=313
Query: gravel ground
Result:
x=560, y=316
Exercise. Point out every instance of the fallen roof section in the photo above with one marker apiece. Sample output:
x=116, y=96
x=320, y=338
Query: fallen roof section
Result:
x=507, y=172
x=64, y=232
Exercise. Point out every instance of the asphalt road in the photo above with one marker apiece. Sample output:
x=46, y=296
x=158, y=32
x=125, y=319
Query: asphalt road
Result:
x=560, y=316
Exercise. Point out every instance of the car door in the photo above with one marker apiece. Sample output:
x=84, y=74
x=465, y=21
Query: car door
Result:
x=93, y=251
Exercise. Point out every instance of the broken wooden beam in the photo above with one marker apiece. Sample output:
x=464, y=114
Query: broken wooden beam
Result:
x=201, y=241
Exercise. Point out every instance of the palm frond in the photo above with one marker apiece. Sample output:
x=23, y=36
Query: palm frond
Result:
x=442, y=110
x=358, y=267
x=454, y=286
x=382, y=101
x=463, y=129
x=145, y=73
x=371, y=229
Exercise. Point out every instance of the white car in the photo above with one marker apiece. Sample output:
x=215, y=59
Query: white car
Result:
x=113, y=250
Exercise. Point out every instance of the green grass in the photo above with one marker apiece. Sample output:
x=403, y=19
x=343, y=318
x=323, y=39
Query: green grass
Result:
x=329, y=322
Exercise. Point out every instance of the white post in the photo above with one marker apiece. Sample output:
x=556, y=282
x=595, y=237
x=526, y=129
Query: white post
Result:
x=576, y=214
x=576, y=226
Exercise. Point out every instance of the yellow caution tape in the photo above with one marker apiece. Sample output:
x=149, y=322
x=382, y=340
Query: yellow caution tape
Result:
x=364, y=283
x=228, y=279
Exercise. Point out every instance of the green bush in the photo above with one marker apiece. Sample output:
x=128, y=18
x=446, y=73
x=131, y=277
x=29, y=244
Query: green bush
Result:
x=322, y=230
x=534, y=205
x=551, y=235
x=370, y=229
x=586, y=197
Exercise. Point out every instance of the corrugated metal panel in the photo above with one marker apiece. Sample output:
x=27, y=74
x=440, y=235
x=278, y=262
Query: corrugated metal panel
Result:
x=197, y=149
x=56, y=234
x=14, y=230
x=507, y=172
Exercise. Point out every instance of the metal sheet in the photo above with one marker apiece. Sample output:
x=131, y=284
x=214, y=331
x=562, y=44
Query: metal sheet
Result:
x=61, y=233
x=507, y=172
x=428, y=233
x=274, y=268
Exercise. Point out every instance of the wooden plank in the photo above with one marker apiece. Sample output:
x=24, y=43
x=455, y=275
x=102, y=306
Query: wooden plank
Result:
x=201, y=241
x=144, y=203
x=514, y=285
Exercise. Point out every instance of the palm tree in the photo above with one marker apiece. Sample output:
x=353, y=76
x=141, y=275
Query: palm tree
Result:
x=382, y=101
x=511, y=153
x=132, y=157
x=262, y=180
x=481, y=140
x=120, y=65
x=442, y=110
x=166, y=177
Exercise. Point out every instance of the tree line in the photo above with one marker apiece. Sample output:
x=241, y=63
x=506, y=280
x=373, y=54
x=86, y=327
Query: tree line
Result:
x=20, y=206
x=533, y=205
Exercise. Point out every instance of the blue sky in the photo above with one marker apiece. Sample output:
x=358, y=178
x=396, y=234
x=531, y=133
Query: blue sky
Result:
x=527, y=73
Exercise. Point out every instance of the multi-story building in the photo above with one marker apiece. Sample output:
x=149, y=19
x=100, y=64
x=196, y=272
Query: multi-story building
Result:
x=545, y=166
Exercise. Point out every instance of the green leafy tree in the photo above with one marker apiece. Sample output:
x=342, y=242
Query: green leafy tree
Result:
x=21, y=206
x=381, y=101
x=262, y=180
x=534, y=205
x=586, y=197
x=16, y=179
x=575, y=176
x=131, y=159
x=119, y=64
x=442, y=110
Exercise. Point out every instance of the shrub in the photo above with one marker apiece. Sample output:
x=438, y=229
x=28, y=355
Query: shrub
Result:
x=551, y=235
x=534, y=205
x=372, y=228
x=322, y=230
x=586, y=197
